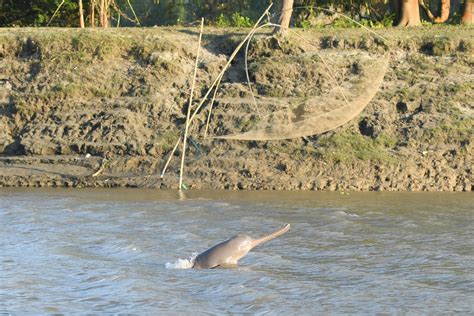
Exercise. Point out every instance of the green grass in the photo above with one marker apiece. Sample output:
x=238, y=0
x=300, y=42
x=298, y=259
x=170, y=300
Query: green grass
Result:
x=450, y=131
x=168, y=139
x=346, y=146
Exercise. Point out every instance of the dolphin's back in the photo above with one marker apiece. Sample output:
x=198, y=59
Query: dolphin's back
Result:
x=218, y=254
x=210, y=258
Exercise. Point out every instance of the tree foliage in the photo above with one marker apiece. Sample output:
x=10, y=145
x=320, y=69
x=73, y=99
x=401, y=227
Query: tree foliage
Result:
x=37, y=12
x=182, y=12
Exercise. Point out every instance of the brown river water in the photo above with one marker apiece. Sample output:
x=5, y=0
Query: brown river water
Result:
x=129, y=251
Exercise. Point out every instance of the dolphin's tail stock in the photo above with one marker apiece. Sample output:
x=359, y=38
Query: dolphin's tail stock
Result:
x=273, y=235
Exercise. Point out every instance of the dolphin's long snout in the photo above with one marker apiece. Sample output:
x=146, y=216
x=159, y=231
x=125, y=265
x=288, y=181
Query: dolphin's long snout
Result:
x=271, y=236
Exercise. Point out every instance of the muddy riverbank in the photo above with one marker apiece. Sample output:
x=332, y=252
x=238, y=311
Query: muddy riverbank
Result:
x=104, y=108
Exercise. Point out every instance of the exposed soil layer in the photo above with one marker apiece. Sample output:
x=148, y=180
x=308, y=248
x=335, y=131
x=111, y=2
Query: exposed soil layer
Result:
x=104, y=108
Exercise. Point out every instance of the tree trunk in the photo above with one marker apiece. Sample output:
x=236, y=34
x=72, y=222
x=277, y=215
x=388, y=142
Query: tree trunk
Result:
x=445, y=6
x=81, y=15
x=104, y=13
x=410, y=13
x=92, y=13
x=468, y=12
x=101, y=12
x=284, y=20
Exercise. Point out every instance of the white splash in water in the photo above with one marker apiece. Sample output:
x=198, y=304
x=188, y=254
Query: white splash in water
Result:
x=182, y=263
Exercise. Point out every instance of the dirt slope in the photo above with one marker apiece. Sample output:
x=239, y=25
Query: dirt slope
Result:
x=76, y=101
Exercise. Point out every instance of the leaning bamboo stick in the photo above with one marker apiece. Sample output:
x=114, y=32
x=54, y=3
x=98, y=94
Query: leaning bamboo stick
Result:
x=210, y=108
x=169, y=158
x=252, y=33
x=227, y=65
x=221, y=74
x=186, y=128
x=55, y=12
x=133, y=11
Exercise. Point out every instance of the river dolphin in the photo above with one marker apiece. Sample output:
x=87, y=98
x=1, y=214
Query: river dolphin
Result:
x=229, y=252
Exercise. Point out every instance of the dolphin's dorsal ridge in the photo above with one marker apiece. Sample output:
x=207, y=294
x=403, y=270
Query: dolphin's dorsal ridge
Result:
x=233, y=249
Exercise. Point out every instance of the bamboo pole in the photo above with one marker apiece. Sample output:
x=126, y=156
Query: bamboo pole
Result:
x=133, y=11
x=276, y=26
x=252, y=33
x=210, y=108
x=231, y=58
x=169, y=159
x=185, y=137
x=55, y=12
x=221, y=74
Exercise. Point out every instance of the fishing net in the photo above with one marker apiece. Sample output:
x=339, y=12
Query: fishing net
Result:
x=338, y=103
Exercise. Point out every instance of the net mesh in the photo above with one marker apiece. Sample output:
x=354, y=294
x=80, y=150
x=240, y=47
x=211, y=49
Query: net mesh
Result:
x=318, y=114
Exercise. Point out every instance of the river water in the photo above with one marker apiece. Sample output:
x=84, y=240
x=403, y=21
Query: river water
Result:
x=128, y=251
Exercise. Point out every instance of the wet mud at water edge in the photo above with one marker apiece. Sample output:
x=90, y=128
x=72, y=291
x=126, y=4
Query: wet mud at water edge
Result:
x=69, y=99
x=129, y=251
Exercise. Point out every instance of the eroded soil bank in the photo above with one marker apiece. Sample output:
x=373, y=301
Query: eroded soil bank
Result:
x=74, y=103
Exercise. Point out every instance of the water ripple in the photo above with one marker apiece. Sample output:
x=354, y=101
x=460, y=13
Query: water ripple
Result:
x=94, y=252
